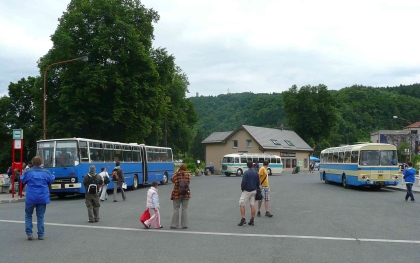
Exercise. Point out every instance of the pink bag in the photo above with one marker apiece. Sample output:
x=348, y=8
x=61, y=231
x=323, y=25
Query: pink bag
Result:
x=145, y=216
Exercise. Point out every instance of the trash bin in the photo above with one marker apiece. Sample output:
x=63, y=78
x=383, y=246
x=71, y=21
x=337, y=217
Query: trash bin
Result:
x=297, y=169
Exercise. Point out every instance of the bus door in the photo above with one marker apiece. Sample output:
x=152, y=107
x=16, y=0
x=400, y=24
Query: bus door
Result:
x=145, y=164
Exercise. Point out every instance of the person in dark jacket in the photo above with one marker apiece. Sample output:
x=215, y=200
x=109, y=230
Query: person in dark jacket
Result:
x=37, y=181
x=118, y=181
x=409, y=175
x=92, y=181
x=250, y=184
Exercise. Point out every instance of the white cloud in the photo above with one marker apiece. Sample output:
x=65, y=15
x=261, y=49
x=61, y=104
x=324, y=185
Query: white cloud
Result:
x=258, y=46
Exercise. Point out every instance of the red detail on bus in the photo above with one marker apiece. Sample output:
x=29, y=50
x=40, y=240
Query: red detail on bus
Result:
x=363, y=177
x=71, y=173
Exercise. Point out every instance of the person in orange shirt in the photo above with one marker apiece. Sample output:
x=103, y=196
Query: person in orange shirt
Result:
x=265, y=189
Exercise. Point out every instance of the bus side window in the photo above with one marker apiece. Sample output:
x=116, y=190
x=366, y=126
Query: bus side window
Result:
x=243, y=160
x=354, y=156
x=347, y=157
x=236, y=160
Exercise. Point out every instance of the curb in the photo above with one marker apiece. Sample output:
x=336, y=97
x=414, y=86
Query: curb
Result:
x=401, y=189
x=12, y=201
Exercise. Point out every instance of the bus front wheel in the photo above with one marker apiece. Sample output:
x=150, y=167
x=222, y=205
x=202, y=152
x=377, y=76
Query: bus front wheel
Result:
x=135, y=182
x=269, y=171
x=61, y=196
x=239, y=172
x=227, y=174
x=324, y=177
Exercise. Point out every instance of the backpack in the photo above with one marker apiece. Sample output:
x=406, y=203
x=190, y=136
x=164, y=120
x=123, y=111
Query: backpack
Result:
x=115, y=175
x=106, y=179
x=183, y=187
x=92, y=184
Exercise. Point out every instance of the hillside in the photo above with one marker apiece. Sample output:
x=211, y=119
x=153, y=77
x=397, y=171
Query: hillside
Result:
x=361, y=110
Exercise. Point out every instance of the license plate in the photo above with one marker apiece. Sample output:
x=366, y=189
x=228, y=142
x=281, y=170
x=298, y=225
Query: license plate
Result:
x=55, y=186
x=380, y=176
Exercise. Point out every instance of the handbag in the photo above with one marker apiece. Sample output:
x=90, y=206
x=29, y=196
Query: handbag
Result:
x=145, y=216
x=124, y=186
x=258, y=195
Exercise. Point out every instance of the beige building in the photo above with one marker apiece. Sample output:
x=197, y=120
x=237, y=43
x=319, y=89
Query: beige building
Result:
x=251, y=139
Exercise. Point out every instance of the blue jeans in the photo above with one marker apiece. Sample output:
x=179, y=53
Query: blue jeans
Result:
x=40, y=212
x=409, y=192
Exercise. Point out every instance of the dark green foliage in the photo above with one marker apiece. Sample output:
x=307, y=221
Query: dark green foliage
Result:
x=197, y=148
x=311, y=112
x=228, y=112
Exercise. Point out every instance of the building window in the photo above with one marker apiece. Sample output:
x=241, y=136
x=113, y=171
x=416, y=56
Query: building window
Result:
x=289, y=143
x=248, y=144
x=235, y=144
x=275, y=142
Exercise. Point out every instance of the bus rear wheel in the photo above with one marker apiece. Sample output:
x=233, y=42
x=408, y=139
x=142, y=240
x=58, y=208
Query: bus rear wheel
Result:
x=165, y=178
x=344, y=181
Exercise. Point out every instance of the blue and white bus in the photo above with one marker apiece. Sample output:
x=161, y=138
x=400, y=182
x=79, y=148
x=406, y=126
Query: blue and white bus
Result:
x=235, y=163
x=69, y=160
x=365, y=164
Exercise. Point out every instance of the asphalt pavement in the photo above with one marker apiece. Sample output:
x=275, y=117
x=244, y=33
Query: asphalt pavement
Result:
x=312, y=222
x=7, y=197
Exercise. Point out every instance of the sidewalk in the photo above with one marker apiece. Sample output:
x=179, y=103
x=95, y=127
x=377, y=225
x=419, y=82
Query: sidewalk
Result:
x=401, y=185
x=7, y=198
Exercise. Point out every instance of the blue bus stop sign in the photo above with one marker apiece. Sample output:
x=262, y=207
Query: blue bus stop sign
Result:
x=18, y=134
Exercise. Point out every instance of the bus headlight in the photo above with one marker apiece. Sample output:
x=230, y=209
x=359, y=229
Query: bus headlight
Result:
x=73, y=180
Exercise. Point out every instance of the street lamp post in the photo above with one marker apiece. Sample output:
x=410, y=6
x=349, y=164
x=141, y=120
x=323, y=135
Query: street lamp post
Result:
x=409, y=132
x=84, y=58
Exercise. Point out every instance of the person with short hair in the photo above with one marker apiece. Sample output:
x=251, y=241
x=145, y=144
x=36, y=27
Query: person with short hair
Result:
x=249, y=185
x=152, y=202
x=37, y=181
x=92, y=180
x=118, y=182
x=409, y=175
x=180, y=199
x=265, y=188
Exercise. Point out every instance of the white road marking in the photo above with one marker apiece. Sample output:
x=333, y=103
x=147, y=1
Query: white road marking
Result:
x=188, y=232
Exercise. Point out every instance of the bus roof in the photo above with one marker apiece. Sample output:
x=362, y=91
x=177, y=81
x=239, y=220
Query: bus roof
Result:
x=361, y=146
x=93, y=140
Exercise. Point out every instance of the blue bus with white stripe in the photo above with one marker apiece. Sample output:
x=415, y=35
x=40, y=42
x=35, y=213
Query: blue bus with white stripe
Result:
x=365, y=164
x=235, y=163
x=69, y=160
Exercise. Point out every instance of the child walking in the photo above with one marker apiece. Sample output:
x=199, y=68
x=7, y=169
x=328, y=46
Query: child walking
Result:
x=153, y=203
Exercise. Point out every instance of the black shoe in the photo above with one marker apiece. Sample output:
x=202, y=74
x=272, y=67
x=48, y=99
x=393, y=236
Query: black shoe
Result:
x=97, y=220
x=145, y=226
x=243, y=221
x=268, y=214
x=251, y=222
x=115, y=201
x=173, y=227
x=91, y=221
x=259, y=214
x=184, y=227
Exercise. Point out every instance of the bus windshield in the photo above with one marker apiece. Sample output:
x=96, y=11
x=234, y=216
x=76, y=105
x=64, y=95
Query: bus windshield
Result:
x=377, y=158
x=59, y=153
x=228, y=159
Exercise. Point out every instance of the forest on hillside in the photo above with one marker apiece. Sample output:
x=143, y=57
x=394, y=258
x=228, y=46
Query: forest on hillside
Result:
x=360, y=110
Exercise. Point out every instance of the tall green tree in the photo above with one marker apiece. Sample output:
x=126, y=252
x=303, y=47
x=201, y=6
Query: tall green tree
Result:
x=123, y=93
x=197, y=148
x=311, y=112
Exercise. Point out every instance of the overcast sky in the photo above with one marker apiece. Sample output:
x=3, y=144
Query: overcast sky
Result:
x=238, y=46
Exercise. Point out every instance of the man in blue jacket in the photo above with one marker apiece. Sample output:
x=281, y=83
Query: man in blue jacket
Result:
x=37, y=181
x=409, y=175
